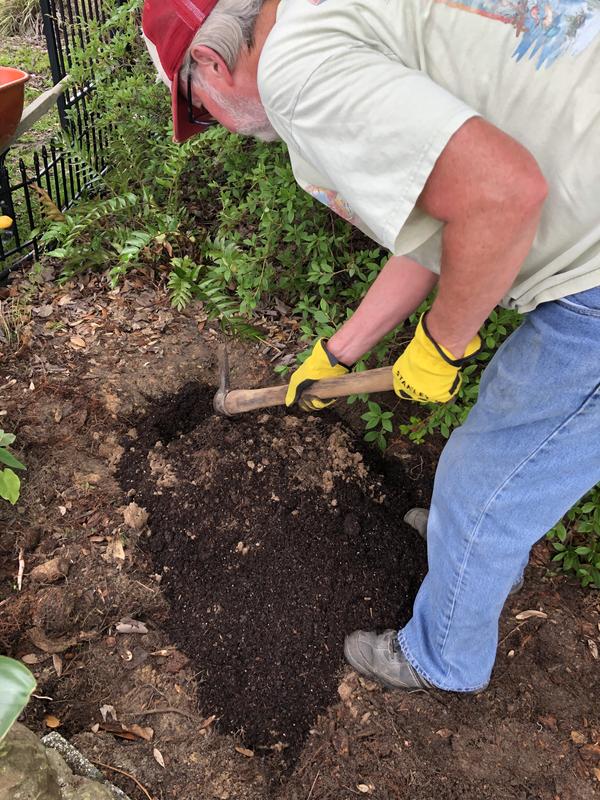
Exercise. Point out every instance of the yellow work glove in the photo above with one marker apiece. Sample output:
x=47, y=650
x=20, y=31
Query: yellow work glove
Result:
x=426, y=371
x=319, y=364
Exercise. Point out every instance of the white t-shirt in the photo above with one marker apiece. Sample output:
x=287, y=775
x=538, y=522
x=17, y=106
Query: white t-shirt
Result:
x=367, y=93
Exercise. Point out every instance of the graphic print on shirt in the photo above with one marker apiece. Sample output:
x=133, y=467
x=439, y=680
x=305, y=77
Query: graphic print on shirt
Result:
x=548, y=29
x=335, y=202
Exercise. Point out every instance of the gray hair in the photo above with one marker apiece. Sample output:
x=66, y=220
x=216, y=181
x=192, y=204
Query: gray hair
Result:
x=228, y=29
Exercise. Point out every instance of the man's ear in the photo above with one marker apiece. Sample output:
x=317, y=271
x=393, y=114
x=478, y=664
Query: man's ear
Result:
x=211, y=65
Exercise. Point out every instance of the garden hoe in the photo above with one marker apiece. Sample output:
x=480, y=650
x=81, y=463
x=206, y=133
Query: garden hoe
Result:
x=236, y=401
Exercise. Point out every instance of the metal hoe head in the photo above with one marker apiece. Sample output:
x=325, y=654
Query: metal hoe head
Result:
x=223, y=390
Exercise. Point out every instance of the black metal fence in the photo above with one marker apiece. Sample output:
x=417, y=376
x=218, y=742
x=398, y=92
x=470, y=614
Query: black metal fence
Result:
x=52, y=168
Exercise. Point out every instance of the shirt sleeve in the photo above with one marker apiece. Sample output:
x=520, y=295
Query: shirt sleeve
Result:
x=374, y=129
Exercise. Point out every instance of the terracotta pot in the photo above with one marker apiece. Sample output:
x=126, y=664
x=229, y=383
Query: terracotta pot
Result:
x=12, y=95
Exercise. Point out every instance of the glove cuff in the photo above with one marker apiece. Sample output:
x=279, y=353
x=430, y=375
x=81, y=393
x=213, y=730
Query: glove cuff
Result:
x=333, y=361
x=443, y=353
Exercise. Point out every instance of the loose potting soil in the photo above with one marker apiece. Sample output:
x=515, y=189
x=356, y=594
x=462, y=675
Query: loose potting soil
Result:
x=275, y=536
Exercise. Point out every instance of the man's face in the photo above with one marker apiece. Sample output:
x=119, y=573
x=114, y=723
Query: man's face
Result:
x=239, y=111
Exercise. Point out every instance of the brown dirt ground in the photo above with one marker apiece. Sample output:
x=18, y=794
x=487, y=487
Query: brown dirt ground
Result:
x=81, y=366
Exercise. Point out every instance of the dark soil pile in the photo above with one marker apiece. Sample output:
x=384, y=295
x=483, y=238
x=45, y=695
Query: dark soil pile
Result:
x=275, y=536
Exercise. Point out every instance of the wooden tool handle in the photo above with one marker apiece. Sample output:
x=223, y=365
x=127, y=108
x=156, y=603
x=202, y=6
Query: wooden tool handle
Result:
x=373, y=380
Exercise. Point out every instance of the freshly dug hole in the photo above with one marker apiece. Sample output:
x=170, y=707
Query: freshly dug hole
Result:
x=276, y=535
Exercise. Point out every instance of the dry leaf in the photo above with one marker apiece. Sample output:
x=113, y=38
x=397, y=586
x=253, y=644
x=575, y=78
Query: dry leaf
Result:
x=114, y=550
x=51, y=571
x=245, y=752
x=45, y=311
x=106, y=710
x=141, y=732
x=130, y=732
x=532, y=612
x=593, y=649
x=58, y=664
x=129, y=625
x=596, y=772
x=365, y=788
x=95, y=727
x=77, y=341
x=117, y=729
x=208, y=722
x=43, y=642
x=30, y=658
x=158, y=756
x=50, y=721
x=49, y=207
x=590, y=752
x=578, y=738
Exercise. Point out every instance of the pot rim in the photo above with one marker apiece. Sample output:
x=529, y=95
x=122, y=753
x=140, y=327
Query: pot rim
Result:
x=19, y=76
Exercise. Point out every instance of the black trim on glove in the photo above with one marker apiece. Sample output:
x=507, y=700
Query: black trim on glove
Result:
x=457, y=362
x=332, y=359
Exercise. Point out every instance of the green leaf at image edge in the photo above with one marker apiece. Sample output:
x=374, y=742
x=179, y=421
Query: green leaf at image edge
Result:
x=16, y=686
x=10, y=461
x=10, y=485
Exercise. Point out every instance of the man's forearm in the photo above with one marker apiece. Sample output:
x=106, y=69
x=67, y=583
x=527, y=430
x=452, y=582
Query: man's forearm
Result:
x=479, y=265
x=489, y=192
x=399, y=289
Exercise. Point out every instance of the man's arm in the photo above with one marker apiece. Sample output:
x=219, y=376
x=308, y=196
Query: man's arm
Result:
x=398, y=290
x=489, y=191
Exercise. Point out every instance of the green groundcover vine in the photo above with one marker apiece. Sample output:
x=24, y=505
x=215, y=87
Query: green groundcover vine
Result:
x=222, y=220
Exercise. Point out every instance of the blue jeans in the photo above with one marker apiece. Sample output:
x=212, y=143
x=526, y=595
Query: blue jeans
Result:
x=529, y=449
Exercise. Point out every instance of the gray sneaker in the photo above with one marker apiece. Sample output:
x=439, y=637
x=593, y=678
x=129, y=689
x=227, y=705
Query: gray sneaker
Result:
x=417, y=518
x=380, y=658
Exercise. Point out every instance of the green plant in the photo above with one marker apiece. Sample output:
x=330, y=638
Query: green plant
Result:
x=10, y=483
x=378, y=423
x=132, y=209
x=14, y=316
x=576, y=540
x=189, y=279
x=16, y=687
x=18, y=17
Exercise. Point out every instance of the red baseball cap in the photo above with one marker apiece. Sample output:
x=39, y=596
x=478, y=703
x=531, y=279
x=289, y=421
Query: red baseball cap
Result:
x=169, y=27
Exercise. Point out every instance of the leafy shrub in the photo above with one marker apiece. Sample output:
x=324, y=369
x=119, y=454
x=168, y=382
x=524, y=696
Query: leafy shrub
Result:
x=576, y=540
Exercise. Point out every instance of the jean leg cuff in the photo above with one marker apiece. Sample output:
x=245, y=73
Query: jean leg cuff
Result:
x=401, y=637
